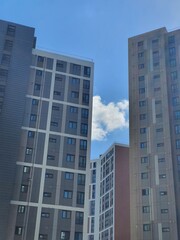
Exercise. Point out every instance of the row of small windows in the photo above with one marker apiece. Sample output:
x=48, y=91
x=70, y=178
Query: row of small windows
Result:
x=147, y=227
x=145, y=175
x=146, y=160
x=64, y=235
x=173, y=76
x=171, y=40
x=146, y=192
x=146, y=209
x=144, y=144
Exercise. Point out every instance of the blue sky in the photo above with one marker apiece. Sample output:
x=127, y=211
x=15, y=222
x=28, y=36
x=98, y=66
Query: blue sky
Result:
x=98, y=30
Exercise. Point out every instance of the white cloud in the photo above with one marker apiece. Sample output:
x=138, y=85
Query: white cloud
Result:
x=107, y=118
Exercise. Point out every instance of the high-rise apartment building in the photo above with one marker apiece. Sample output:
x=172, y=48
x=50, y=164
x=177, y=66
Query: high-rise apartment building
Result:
x=154, y=92
x=109, y=216
x=45, y=131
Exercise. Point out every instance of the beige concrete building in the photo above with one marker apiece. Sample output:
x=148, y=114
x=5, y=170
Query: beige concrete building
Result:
x=154, y=90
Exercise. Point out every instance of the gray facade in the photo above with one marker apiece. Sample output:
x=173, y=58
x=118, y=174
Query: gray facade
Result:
x=53, y=148
x=154, y=68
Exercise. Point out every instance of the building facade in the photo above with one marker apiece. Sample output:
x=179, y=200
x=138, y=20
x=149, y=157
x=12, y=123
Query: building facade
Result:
x=109, y=216
x=154, y=95
x=46, y=110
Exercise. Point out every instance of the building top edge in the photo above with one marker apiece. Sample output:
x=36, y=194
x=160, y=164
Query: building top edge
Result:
x=64, y=56
x=17, y=24
x=158, y=30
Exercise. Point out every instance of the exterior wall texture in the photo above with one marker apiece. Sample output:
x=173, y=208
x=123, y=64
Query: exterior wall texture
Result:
x=46, y=117
x=154, y=150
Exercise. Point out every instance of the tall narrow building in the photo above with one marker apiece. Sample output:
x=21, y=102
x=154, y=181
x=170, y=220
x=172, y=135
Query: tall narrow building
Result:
x=109, y=216
x=45, y=132
x=154, y=95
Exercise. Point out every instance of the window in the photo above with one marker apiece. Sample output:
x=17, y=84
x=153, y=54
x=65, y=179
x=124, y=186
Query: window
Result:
x=18, y=230
x=156, y=64
x=160, y=144
x=145, y=192
x=50, y=157
x=5, y=59
x=65, y=214
x=175, y=101
x=26, y=169
x=86, y=84
x=82, y=161
x=85, y=98
x=31, y=134
x=177, y=115
x=65, y=235
x=146, y=209
x=67, y=194
x=45, y=215
x=70, y=158
x=24, y=188
x=159, y=130
x=21, y=209
x=11, y=30
x=157, y=76
x=80, y=198
x=142, y=116
x=172, y=62
x=178, y=144
x=58, y=78
x=81, y=179
x=87, y=71
x=40, y=59
x=55, y=108
x=29, y=151
x=178, y=159
x=141, y=90
x=73, y=109
x=157, y=89
x=141, y=66
x=38, y=73
x=156, y=54
x=174, y=88
x=37, y=87
x=172, y=51
x=83, y=144
x=60, y=66
x=57, y=93
x=144, y=175
x=171, y=39
x=140, y=44
x=144, y=159
x=72, y=125
x=161, y=176
x=47, y=194
x=43, y=236
x=143, y=145
x=33, y=117
x=78, y=236
x=164, y=210
x=35, y=102
x=142, y=103
x=177, y=129
x=174, y=75
x=52, y=140
x=159, y=115
x=75, y=81
x=84, y=128
x=158, y=102
x=8, y=45
x=69, y=176
x=54, y=124
x=141, y=78
x=71, y=141
x=160, y=160
x=79, y=217
x=84, y=113
x=140, y=54
x=49, y=175
x=74, y=94
x=163, y=193
x=155, y=41
x=142, y=130
x=165, y=229
x=146, y=227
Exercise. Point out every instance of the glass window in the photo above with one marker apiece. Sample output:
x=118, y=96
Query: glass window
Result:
x=21, y=209
x=177, y=143
x=71, y=141
x=141, y=90
x=85, y=98
x=72, y=124
x=69, y=176
x=55, y=108
x=164, y=210
x=70, y=158
x=145, y=192
x=171, y=39
x=84, y=113
x=65, y=235
x=142, y=130
x=172, y=62
x=67, y=194
x=26, y=169
x=29, y=151
x=52, y=140
x=177, y=115
x=143, y=145
x=33, y=117
x=73, y=109
x=83, y=144
x=144, y=175
x=142, y=116
x=78, y=236
x=172, y=51
x=80, y=198
x=11, y=30
x=144, y=159
x=54, y=124
x=140, y=44
x=74, y=94
x=175, y=101
x=49, y=175
x=18, y=230
x=82, y=161
x=43, y=236
x=86, y=84
x=141, y=66
x=50, y=157
x=24, y=188
x=87, y=71
x=31, y=134
x=165, y=229
x=146, y=209
x=177, y=129
x=174, y=75
x=161, y=176
x=81, y=179
x=65, y=214
x=146, y=227
x=79, y=218
x=162, y=193
x=141, y=78
x=47, y=194
x=45, y=215
x=84, y=128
